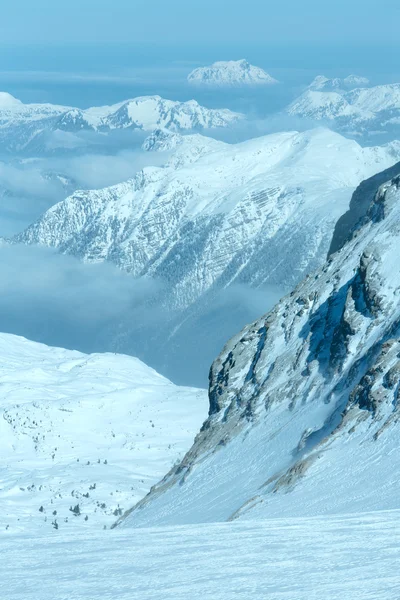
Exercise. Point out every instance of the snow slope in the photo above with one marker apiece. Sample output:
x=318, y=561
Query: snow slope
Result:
x=359, y=111
x=304, y=559
x=230, y=74
x=24, y=126
x=304, y=411
x=90, y=430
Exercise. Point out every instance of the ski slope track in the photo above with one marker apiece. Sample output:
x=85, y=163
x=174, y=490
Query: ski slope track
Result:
x=304, y=410
x=88, y=431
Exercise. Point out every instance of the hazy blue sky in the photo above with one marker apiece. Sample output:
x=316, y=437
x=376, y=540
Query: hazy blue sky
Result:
x=41, y=21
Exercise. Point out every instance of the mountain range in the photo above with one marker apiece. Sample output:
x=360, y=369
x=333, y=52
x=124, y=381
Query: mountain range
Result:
x=216, y=219
x=324, y=84
x=83, y=436
x=36, y=127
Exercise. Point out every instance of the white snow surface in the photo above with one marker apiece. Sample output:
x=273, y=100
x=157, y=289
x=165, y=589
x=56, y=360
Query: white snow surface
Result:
x=329, y=558
x=323, y=83
x=90, y=430
x=232, y=73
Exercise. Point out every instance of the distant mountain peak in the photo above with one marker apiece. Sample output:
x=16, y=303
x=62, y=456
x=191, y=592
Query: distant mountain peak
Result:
x=230, y=74
x=8, y=101
x=322, y=83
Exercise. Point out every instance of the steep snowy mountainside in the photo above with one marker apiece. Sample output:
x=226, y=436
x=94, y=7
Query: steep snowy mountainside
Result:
x=358, y=111
x=24, y=126
x=230, y=73
x=304, y=413
x=322, y=83
x=94, y=431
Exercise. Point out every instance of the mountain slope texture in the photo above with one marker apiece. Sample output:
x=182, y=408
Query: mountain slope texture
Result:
x=82, y=435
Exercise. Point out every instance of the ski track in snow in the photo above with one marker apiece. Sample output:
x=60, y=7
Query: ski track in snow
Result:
x=329, y=558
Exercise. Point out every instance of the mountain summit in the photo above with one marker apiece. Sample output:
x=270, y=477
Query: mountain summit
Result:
x=230, y=73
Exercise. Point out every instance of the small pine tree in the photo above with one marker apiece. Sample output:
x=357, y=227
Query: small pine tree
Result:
x=76, y=510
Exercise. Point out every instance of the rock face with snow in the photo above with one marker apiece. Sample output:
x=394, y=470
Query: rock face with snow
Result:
x=361, y=111
x=230, y=74
x=217, y=216
x=93, y=431
x=24, y=126
x=304, y=412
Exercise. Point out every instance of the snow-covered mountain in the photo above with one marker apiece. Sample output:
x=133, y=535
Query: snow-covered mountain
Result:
x=323, y=84
x=361, y=111
x=93, y=431
x=230, y=73
x=304, y=412
x=224, y=201
x=217, y=216
x=25, y=126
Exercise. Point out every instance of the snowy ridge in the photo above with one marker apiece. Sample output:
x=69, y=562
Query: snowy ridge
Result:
x=304, y=411
x=230, y=74
x=30, y=123
x=217, y=217
x=93, y=431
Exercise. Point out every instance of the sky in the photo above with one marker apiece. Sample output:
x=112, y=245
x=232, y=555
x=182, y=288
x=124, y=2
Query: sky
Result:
x=183, y=21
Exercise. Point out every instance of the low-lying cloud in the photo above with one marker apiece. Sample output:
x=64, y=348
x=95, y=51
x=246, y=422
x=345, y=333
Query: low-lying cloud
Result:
x=60, y=301
x=29, y=187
